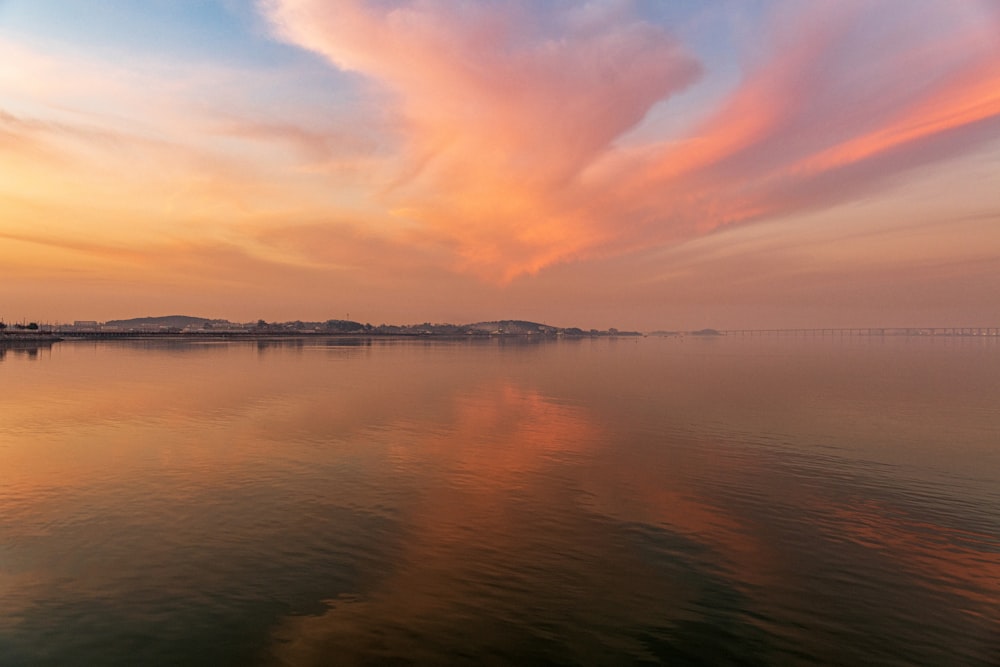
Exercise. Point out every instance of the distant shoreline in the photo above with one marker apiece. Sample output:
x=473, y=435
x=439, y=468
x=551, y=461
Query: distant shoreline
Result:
x=56, y=336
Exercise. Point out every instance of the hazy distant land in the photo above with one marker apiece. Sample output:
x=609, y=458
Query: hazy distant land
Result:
x=188, y=325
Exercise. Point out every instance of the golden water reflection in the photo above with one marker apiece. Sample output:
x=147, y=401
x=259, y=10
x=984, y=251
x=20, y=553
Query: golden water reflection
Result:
x=579, y=501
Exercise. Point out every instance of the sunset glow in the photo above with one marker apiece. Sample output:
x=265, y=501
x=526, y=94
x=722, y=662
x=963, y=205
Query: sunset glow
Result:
x=613, y=163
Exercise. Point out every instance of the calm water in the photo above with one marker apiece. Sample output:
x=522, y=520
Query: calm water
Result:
x=654, y=501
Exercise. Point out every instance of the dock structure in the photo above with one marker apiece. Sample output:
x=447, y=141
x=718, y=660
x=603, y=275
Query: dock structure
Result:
x=993, y=332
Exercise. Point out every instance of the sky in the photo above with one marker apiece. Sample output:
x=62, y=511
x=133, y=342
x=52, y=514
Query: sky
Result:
x=672, y=164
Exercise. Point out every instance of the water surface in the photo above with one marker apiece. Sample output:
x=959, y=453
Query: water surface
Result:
x=633, y=501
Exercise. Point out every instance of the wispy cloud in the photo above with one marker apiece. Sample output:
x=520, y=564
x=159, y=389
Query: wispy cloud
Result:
x=510, y=116
x=501, y=110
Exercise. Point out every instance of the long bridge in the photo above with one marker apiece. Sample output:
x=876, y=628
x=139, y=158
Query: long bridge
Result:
x=868, y=331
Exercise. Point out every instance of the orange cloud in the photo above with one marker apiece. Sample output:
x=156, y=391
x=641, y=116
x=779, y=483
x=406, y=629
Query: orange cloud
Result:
x=510, y=122
x=500, y=113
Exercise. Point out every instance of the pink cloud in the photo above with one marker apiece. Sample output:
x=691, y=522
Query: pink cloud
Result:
x=501, y=112
x=849, y=97
x=509, y=117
